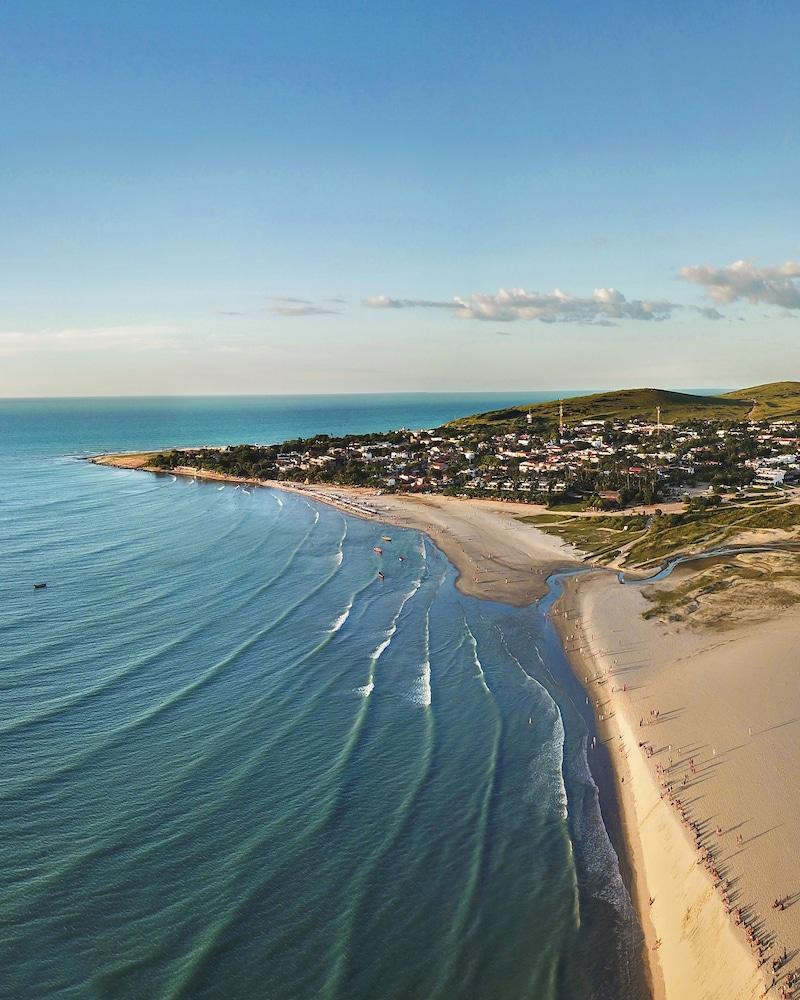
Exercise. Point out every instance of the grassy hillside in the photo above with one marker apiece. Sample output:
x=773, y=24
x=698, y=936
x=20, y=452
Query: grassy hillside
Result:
x=676, y=407
x=775, y=401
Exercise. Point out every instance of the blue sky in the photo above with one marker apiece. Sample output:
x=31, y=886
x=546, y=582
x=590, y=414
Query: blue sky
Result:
x=250, y=197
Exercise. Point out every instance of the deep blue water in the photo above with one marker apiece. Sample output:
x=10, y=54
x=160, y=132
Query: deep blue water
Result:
x=233, y=763
x=72, y=426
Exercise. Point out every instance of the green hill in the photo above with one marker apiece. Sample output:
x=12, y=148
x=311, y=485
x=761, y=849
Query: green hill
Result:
x=622, y=404
x=774, y=401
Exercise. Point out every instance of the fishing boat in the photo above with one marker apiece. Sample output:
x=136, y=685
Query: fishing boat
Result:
x=39, y=586
x=381, y=576
x=377, y=550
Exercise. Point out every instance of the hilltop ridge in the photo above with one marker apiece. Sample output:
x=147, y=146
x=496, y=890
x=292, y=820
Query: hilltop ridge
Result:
x=772, y=401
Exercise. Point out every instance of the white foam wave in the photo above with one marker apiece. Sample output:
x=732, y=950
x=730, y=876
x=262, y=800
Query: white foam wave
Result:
x=341, y=619
x=365, y=691
x=473, y=642
x=376, y=653
x=280, y=501
x=422, y=688
x=379, y=650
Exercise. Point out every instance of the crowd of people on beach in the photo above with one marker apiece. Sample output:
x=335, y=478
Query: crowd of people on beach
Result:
x=674, y=775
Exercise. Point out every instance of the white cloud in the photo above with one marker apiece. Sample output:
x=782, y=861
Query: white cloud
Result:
x=603, y=307
x=138, y=337
x=288, y=305
x=305, y=310
x=776, y=286
x=385, y=302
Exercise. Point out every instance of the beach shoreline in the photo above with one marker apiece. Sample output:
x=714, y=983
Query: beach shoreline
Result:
x=702, y=745
x=693, y=948
x=498, y=558
x=637, y=797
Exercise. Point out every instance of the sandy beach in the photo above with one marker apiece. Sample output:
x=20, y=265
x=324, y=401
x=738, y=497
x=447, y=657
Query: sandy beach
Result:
x=498, y=557
x=723, y=744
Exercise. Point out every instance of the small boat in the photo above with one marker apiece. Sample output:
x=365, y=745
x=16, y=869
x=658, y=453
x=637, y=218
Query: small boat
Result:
x=381, y=576
x=386, y=538
x=401, y=558
x=39, y=586
x=377, y=550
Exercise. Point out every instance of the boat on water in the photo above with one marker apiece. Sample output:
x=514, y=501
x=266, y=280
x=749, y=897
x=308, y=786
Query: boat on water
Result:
x=378, y=550
x=39, y=586
x=381, y=576
x=401, y=558
x=386, y=538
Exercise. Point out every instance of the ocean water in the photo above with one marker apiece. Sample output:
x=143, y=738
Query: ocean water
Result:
x=234, y=763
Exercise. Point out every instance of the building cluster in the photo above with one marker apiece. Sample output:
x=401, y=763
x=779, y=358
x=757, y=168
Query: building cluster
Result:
x=611, y=463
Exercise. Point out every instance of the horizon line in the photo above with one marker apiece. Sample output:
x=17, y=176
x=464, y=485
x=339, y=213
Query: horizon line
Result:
x=693, y=390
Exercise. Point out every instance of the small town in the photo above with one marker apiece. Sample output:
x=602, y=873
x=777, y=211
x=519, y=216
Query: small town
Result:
x=589, y=464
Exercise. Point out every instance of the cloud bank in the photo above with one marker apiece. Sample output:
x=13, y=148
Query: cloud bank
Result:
x=132, y=336
x=605, y=306
x=304, y=310
x=288, y=305
x=776, y=286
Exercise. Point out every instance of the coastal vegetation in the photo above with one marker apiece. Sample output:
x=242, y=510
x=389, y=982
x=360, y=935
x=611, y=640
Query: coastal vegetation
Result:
x=643, y=541
x=728, y=591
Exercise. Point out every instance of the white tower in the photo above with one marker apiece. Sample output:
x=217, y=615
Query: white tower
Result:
x=530, y=418
x=658, y=420
x=561, y=418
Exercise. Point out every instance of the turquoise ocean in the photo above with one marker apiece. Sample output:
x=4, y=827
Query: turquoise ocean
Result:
x=235, y=764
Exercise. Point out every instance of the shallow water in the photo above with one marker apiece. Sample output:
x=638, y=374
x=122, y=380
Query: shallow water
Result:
x=234, y=763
